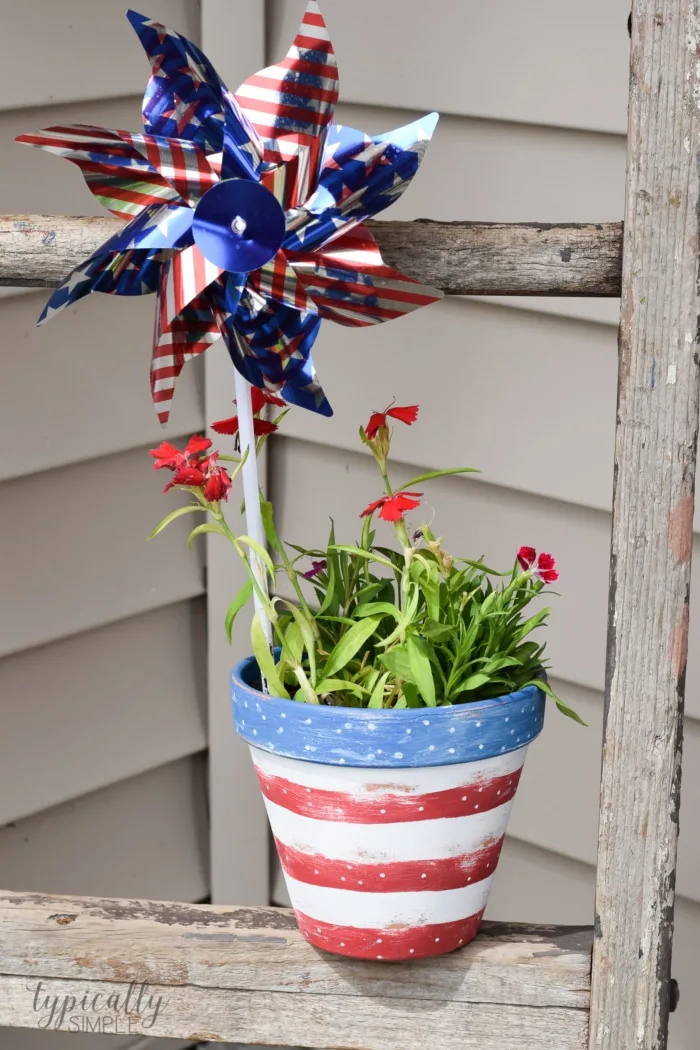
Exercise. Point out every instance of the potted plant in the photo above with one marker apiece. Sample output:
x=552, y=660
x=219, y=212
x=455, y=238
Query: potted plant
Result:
x=389, y=725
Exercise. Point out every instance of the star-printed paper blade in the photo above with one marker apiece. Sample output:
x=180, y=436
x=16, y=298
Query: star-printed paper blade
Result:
x=244, y=213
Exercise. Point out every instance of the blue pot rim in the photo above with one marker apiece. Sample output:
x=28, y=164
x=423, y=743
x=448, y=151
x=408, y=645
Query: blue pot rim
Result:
x=410, y=737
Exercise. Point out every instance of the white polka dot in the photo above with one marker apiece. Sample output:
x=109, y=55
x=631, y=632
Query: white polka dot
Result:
x=280, y=729
x=283, y=715
x=476, y=807
x=478, y=725
x=349, y=867
x=264, y=718
x=359, y=882
x=408, y=732
x=339, y=730
x=464, y=798
x=421, y=808
x=257, y=707
x=424, y=876
x=318, y=929
x=437, y=939
x=488, y=865
x=398, y=754
x=342, y=878
x=379, y=750
x=480, y=790
x=341, y=761
x=307, y=748
x=242, y=724
x=271, y=747
x=517, y=740
x=481, y=747
x=498, y=792
x=507, y=718
x=411, y=950
x=348, y=725
x=379, y=956
x=426, y=722
x=255, y=732
x=245, y=703
x=522, y=710
x=469, y=879
x=528, y=736
x=342, y=944
x=512, y=732
x=379, y=940
x=307, y=721
x=450, y=751
x=315, y=871
x=382, y=875
x=308, y=789
x=452, y=729
x=503, y=748
x=371, y=725
x=461, y=940
x=371, y=758
x=382, y=811
x=285, y=790
x=432, y=747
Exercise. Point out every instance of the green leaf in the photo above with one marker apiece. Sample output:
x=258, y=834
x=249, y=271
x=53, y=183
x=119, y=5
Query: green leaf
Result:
x=474, y=681
x=305, y=686
x=339, y=685
x=437, y=632
x=436, y=474
x=261, y=552
x=358, y=552
x=208, y=526
x=396, y=661
x=410, y=694
x=293, y=644
x=266, y=661
x=269, y=525
x=350, y=644
x=236, y=605
x=377, y=609
x=421, y=670
x=307, y=634
x=564, y=708
x=189, y=509
x=376, y=700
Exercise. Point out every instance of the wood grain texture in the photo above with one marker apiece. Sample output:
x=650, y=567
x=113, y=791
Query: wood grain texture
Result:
x=461, y=258
x=246, y=975
x=655, y=454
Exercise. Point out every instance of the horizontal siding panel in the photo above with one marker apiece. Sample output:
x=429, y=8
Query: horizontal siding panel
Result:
x=474, y=519
x=558, y=62
x=75, y=553
x=144, y=837
x=38, y=1039
x=491, y=172
x=101, y=706
x=494, y=386
x=97, y=355
x=78, y=49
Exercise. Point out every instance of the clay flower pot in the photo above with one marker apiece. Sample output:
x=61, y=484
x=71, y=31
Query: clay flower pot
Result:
x=388, y=824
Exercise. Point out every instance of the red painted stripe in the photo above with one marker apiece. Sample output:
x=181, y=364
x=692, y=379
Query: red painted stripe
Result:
x=381, y=805
x=410, y=295
x=416, y=942
x=398, y=876
x=308, y=116
x=312, y=43
x=311, y=18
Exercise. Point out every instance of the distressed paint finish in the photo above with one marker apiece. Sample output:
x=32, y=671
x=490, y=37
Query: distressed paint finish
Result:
x=246, y=975
x=388, y=824
x=655, y=454
x=459, y=258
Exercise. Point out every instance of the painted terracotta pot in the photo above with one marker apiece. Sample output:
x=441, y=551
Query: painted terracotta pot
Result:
x=388, y=824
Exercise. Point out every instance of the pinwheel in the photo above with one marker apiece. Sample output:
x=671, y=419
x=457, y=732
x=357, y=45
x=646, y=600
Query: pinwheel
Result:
x=244, y=214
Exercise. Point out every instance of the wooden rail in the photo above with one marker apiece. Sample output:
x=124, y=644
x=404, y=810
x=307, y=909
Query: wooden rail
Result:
x=206, y=972
x=461, y=258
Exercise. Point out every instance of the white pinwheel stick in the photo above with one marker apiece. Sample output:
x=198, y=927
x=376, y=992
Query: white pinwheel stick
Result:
x=251, y=492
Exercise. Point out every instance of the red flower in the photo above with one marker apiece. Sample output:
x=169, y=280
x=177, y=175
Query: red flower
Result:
x=543, y=565
x=407, y=414
x=259, y=398
x=218, y=485
x=166, y=455
x=393, y=507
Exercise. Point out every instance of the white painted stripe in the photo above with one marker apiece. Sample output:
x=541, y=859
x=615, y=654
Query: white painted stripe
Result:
x=381, y=910
x=163, y=384
x=363, y=781
x=308, y=29
x=383, y=843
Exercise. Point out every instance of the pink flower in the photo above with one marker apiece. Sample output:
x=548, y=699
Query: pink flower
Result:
x=408, y=414
x=316, y=567
x=393, y=508
x=541, y=566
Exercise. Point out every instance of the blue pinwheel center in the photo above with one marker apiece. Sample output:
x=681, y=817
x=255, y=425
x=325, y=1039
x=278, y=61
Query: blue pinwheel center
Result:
x=238, y=225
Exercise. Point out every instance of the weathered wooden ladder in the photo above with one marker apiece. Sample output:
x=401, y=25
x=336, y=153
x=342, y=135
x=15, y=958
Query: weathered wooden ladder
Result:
x=245, y=975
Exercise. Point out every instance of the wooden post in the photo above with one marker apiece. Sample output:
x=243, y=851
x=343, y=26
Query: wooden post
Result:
x=655, y=453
